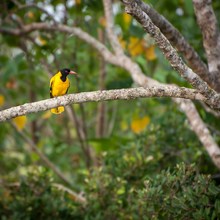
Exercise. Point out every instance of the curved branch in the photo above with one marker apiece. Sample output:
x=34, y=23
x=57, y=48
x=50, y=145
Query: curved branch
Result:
x=170, y=53
x=97, y=96
x=211, y=36
x=178, y=41
x=201, y=130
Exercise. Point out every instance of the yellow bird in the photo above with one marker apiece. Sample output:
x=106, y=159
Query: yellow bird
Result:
x=59, y=85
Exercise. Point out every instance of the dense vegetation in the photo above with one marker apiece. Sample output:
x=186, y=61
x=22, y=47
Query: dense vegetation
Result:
x=140, y=161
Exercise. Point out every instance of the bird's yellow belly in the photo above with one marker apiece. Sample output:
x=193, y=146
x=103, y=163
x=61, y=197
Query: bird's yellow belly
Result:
x=60, y=88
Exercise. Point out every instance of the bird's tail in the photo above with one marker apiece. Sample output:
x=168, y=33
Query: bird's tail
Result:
x=57, y=110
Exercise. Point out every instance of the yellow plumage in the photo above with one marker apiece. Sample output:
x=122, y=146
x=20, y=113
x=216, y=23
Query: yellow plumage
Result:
x=58, y=87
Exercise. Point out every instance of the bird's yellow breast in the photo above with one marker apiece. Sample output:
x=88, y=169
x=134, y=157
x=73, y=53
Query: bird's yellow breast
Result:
x=58, y=87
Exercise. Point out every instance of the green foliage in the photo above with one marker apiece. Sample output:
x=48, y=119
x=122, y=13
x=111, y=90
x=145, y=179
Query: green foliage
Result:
x=178, y=194
x=34, y=197
x=181, y=194
x=138, y=173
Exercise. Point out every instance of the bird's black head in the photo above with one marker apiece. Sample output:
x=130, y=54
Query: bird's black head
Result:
x=65, y=72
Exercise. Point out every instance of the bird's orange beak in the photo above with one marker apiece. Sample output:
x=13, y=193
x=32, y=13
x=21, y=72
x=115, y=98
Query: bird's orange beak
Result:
x=72, y=72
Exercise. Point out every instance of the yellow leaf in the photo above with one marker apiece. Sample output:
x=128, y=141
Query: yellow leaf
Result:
x=78, y=2
x=2, y=100
x=20, y=122
x=127, y=19
x=135, y=46
x=46, y=115
x=139, y=124
x=150, y=53
x=102, y=21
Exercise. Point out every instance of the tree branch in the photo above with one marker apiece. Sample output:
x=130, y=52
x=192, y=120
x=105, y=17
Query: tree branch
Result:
x=110, y=28
x=105, y=95
x=211, y=36
x=201, y=130
x=170, y=53
x=178, y=41
x=75, y=196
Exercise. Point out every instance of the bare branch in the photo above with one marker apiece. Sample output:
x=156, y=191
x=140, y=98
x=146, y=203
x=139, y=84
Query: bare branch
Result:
x=211, y=36
x=76, y=197
x=178, y=41
x=170, y=53
x=110, y=27
x=105, y=95
x=201, y=130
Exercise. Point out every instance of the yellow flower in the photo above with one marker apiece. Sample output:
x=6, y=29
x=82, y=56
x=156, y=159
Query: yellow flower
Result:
x=150, y=53
x=139, y=124
x=20, y=122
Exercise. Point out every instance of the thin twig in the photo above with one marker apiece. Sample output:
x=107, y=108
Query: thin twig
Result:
x=76, y=197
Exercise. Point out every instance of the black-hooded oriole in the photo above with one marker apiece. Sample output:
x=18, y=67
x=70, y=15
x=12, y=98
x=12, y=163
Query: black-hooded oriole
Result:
x=59, y=85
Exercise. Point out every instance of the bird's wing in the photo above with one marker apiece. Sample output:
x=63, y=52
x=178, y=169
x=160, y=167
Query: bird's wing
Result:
x=67, y=87
x=51, y=86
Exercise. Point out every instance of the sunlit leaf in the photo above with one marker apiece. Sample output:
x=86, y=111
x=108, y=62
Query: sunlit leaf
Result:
x=127, y=20
x=20, y=122
x=2, y=100
x=135, y=46
x=139, y=124
x=150, y=53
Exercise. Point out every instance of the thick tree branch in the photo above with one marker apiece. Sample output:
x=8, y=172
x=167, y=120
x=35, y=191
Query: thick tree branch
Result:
x=170, y=53
x=201, y=130
x=211, y=36
x=179, y=42
x=105, y=95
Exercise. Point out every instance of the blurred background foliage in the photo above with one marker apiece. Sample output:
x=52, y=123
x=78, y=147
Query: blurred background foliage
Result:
x=114, y=152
